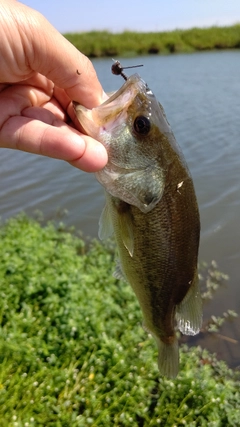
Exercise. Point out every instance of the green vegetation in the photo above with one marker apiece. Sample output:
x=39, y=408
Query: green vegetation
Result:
x=72, y=349
x=102, y=43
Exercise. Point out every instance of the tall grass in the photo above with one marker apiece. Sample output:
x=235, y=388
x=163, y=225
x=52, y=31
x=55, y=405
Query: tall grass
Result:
x=103, y=43
x=73, y=351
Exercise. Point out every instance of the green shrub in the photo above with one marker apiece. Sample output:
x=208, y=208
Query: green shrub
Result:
x=129, y=43
x=72, y=349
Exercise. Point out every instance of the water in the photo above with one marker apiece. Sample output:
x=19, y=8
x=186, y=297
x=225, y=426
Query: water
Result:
x=200, y=95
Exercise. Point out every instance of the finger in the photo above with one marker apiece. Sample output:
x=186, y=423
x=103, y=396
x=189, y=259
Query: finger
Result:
x=49, y=53
x=14, y=99
x=47, y=113
x=57, y=141
x=24, y=99
x=94, y=158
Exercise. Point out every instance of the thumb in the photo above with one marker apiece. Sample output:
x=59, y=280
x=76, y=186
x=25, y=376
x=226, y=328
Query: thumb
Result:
x=50, y=54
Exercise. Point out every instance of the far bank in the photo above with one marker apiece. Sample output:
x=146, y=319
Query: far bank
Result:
x=96, y=44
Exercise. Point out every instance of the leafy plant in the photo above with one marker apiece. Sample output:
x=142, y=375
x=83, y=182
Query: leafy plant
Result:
x=72, y=348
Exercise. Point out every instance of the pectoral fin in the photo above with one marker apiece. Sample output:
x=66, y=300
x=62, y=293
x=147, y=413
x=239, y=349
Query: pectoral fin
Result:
x=105, y=224
x=126, y=230
x=125, y=224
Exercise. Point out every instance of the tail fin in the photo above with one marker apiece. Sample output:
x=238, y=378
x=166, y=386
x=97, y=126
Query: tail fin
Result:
x=168, y=358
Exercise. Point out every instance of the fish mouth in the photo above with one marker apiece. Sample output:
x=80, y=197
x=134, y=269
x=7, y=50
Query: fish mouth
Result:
x=133, y=84
x=101, y=118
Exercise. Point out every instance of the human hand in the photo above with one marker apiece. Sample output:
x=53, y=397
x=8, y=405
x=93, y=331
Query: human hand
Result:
x=38, y=81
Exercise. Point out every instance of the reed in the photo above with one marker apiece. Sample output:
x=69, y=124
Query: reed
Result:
x=96, y=44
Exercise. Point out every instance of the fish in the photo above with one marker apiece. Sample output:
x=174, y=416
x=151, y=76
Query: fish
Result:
x=152, y=211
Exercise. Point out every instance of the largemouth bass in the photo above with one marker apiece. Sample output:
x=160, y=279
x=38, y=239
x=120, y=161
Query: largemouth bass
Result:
x=152, y=210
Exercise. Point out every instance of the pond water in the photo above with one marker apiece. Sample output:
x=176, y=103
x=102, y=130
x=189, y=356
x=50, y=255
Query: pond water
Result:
x=200, y=95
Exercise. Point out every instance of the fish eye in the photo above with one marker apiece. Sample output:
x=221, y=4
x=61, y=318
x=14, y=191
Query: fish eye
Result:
x=142, y=125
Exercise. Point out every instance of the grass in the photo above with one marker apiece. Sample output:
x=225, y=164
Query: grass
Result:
x=72, y=348
x=104, y=44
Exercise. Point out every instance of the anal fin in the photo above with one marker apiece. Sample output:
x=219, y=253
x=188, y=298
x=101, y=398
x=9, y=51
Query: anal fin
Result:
x=189, y=311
